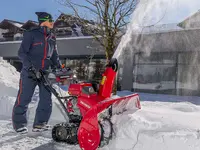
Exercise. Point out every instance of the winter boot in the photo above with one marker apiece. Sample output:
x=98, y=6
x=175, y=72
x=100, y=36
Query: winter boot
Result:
x=41, y=127
x=22, y=130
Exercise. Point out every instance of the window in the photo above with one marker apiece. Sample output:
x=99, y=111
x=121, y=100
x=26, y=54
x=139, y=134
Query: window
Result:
x=155, y=73
x=154, y=77
x=160, y=58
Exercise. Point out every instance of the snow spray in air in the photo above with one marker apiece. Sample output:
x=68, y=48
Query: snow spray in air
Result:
x=147, y=13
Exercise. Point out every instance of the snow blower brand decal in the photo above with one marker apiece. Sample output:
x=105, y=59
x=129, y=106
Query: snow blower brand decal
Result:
x=103, y=80
x=86, y=105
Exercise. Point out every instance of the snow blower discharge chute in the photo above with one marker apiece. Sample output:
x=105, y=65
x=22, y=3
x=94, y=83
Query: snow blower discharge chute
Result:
x=89, y=107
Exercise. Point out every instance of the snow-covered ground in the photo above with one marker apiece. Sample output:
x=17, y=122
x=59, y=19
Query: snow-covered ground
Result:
x=159, y=126
x=163, y=123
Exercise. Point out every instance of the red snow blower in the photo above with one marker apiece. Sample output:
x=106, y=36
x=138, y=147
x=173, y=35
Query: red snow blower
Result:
x=89, y=108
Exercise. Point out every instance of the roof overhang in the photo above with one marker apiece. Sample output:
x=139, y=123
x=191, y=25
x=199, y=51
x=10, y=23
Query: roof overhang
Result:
x=187, y=20
x=7, y=24
x=30, y=23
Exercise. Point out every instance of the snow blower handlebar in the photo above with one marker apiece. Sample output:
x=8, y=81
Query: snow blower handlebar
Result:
x=49, y=77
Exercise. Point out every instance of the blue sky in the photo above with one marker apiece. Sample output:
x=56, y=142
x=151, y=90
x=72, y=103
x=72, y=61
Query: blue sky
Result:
x=23, y=10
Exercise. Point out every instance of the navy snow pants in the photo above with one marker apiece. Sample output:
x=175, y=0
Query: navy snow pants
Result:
x=26, y=89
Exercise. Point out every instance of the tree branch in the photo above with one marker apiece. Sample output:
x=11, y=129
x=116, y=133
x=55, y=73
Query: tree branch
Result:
x=111, y=15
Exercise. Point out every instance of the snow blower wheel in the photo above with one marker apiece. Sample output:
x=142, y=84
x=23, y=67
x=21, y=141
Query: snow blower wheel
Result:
x=106, y=130
x=65, y=132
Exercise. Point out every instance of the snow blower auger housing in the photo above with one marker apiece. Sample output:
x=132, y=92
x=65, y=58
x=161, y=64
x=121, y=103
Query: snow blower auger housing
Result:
x=90, y=111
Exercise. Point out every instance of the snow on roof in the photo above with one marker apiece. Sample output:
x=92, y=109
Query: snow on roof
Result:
x=158, y=28
x=12, y=22
x=17, y=24
x=193, y=16
x=30, y=21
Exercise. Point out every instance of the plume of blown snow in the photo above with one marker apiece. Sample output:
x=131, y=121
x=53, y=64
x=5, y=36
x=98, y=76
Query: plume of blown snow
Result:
x=150, y=13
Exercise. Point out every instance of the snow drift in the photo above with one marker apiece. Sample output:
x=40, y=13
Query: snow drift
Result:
x=9, y=79
x=159, y=125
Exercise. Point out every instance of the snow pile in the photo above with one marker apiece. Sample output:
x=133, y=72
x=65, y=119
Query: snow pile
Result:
x=9, y=79
x=159, y=125
x=6, y=105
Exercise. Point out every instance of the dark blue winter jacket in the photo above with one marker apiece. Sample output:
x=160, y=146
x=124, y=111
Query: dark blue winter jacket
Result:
x=39, y=49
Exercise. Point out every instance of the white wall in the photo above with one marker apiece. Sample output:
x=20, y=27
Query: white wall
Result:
x=2, y=31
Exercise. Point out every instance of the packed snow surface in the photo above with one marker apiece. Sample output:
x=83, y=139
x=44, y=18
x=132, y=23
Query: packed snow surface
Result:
x=159, y=125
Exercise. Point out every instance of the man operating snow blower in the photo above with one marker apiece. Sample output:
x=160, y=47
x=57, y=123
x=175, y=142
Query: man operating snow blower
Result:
x=38, y=51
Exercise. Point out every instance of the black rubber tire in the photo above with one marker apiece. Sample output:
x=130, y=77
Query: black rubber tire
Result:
x=59, y=130
x=65, y=132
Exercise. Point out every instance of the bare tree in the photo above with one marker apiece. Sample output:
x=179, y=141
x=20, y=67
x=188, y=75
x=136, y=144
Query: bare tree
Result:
x=111, y=16
x=98, y=69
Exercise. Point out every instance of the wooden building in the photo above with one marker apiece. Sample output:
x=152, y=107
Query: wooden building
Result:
x=12, y=27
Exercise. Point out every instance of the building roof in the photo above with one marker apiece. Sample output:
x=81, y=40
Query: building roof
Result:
x=77, y=24
x=72, y=19
x=191, y=17
x=65, y=25
x=5, y=24
x=159, y=28
x=29, y=24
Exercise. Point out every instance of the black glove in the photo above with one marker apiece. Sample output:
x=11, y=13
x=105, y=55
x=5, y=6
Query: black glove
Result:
x=34, y=73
